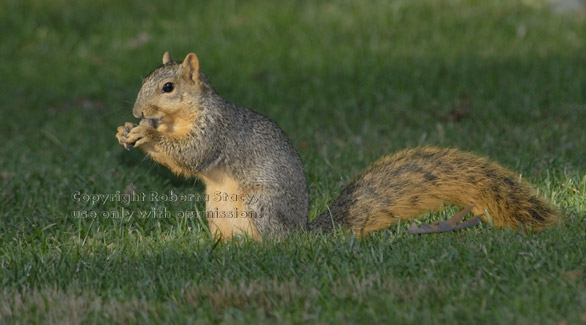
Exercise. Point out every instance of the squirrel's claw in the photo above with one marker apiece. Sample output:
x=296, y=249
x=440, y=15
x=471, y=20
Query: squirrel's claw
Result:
x=448, y=225
x=122, y=135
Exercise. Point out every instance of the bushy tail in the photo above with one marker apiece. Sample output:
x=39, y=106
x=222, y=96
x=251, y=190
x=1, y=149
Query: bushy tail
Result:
x=415, y=181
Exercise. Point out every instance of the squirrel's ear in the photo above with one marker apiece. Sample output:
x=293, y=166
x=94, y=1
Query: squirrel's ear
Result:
x=190, y=66
x=167, y=58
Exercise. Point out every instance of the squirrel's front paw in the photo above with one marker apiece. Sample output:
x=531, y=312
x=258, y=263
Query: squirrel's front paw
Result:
x=122, y=134
x=132, y=135
x=135, y=135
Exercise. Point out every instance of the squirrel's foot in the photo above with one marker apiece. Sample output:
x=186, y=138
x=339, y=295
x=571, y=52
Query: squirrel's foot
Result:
x=448, y=225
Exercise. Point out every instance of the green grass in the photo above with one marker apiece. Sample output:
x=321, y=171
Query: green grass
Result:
x=348, y=81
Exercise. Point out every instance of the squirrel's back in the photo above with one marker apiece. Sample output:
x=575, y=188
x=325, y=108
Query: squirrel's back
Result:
x=420, y=180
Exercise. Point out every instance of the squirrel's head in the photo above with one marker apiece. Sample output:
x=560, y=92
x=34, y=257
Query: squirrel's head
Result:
x=171, y=95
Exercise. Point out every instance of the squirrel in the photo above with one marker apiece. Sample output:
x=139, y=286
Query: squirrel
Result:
x=186, y=126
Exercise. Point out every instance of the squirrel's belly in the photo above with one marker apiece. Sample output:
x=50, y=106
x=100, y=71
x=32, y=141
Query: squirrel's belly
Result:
x=225, y=208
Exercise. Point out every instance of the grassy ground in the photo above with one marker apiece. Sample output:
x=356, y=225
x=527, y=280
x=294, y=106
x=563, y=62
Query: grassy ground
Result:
x=348, y=81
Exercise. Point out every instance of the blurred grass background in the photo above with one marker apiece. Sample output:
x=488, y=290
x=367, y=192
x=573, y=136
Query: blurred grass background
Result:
x=348, y=81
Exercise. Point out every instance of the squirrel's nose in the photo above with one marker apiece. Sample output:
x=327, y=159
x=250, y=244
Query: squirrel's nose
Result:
x=137, y=112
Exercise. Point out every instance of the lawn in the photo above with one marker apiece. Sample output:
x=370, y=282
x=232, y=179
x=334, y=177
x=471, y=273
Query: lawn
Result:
x=348, y=81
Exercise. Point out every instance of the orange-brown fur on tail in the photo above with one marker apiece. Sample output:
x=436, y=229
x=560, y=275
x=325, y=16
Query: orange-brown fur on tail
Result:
x=415, y=181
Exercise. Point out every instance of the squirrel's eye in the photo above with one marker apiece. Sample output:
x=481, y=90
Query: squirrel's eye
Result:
x=168, y=87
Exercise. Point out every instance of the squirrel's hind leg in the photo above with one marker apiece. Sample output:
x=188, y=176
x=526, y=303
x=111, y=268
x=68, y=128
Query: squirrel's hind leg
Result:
x=448, y=225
